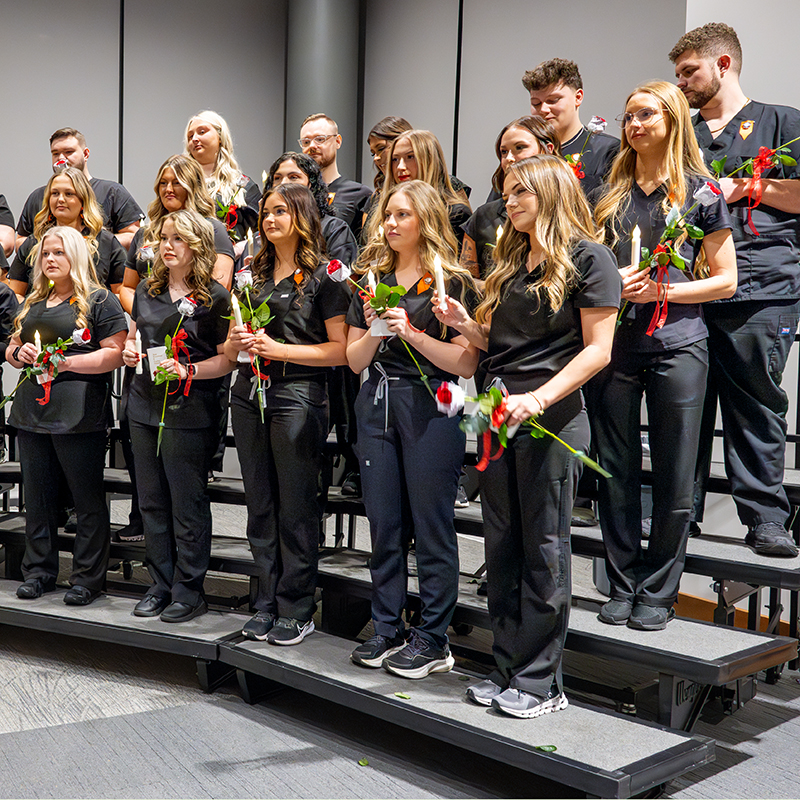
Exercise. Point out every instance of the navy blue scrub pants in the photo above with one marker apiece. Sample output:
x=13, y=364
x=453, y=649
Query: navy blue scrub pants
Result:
x=176, y=511
x=45, y=459
x=281, y=461
x=527, y=497
x=674, y=385
x=410, y=457
x=748, y=343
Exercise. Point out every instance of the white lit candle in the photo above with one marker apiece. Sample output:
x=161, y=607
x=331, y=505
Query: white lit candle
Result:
x=499, y=234
x=636, y=246
x=37, y=340
x=371, y=281
x=138, y=344
x=237, y=311
x=380, y=231
x=264, y=176
x=250, y=243
x=438, y=274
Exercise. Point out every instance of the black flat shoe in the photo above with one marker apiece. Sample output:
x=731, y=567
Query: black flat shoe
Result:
x=34, y=587
x=183, y=612
x=80, y=596
x=150, y=605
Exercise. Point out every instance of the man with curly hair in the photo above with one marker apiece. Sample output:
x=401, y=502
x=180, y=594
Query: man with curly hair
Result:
x=751, y=334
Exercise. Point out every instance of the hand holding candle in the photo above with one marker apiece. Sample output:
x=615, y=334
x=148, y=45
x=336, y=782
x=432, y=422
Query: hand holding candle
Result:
x=138, y=345
x=438, y=274
x=636, y=246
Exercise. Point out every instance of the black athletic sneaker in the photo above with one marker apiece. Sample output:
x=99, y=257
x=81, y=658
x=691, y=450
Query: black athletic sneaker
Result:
x=259, y=625
x=372, y=652
x=290, y=631
x=770, y=539
x=419, y=658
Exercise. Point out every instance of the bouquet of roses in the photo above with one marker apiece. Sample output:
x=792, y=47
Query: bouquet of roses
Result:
x=175, y=345
x=489, y=417
x=229, y=212
x=48, y=360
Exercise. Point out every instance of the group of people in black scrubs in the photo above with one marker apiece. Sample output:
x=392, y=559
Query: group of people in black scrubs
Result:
x=599, y=272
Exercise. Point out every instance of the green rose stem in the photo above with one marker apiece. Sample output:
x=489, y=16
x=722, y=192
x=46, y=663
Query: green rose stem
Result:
x=750, y=161
x=539, y=429
x=166, y=392
x=256, y=362
x=14, y=390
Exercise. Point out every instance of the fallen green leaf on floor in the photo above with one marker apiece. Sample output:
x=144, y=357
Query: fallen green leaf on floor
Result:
x=362, y=762
x=463, y=677
x=547, y=748
x=402, y=695
x=474, y=580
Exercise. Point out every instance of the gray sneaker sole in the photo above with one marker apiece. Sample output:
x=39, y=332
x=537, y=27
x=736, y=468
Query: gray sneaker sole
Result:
x=555, y=704
x=440, y=665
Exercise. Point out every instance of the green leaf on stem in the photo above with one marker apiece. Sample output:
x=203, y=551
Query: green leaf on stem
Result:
x=663, y=259
x=787, y=161
x=749, y=168
x=502, y=435
x=694, y=232
x=678, y=261
x=718, y=165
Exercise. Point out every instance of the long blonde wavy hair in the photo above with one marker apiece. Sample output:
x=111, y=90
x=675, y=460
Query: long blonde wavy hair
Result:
x=82, y=273
x=563, y=219
x=198, y=234
x=91, y=212
x=682, y=160
x=224, y=179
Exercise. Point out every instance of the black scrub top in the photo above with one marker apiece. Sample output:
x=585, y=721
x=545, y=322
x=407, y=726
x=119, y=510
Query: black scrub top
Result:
x=768, y=263
x=601, y=150
x=349, y=199
x=481, y=227
x=392, y=353
x=246, y=215
x=207, y=328
x=119, y=208
x=297, y=319
x=684, y=323
x=6, y=217
x=9, y=306
x=528, y=342
x=109, y=260
x=78, y=403
x=339, y=240
x=142, y=264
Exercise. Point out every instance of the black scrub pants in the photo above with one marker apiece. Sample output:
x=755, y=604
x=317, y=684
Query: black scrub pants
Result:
x=410, y=457
x=674, y=385
x=748, y=343
x=527, y=497
x=281, y=461
x=81, y=458
x=176, y=511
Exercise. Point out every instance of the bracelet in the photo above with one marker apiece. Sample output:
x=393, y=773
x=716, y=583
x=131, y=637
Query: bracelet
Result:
x=286, y=358
x=191, y=370
x=15, y=354
x=541, y=407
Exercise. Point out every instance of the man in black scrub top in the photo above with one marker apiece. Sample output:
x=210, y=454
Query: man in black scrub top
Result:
x=122, y=214
x=556, y=90
x=751, y=334
x=320, y=139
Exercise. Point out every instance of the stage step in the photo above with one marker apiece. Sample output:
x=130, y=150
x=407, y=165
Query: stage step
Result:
x=602, y=754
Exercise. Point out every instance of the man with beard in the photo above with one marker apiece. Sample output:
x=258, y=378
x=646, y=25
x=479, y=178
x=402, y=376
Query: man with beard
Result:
x=750, y=335
x=121, y=214
x=320, y=139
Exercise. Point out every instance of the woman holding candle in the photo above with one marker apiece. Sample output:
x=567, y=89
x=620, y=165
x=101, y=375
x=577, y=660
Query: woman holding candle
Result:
x=660, y=349
x=69, y=200
x=63, y=422
x=174, y=424
x=417, y=155
x=180, y=184
x=546, y=324
x=410, y=455
x=209, y=142
x=522, y=138
x=279, y=408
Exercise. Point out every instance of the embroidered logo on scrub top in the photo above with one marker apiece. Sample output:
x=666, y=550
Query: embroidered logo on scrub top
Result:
x=746, y=128
x=424, y=283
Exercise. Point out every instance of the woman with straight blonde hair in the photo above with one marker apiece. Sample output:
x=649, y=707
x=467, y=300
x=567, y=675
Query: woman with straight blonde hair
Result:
x=209, y=142
x=410, y=456
x=546, y=324
x=658, y=182
x=69, y=200
x=63, y=419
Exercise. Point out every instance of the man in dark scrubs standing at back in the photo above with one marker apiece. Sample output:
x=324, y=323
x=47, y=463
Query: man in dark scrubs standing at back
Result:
x=750, y=335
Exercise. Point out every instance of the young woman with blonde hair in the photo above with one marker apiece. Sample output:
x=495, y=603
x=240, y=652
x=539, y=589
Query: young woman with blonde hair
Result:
x=660, y=348
x=410, y=455
x=69, y=200
x=63, y=422
x=546, y=324
x=208, y=141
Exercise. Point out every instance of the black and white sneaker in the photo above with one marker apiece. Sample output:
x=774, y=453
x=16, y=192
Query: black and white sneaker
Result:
x=290, y=631
x=419, y=658
x=484, y=692
x=517, y=703
x=372, y=652
x=258, y=626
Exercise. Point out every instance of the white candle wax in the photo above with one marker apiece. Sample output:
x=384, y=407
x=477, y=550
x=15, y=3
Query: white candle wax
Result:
x=237, y=311
x=138, y=344
x=438, y=274
x=37, y=340
x=636, y=246
x=250, y=243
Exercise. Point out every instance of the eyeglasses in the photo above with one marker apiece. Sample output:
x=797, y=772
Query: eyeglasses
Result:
x=643, y=115
x=319, y=140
